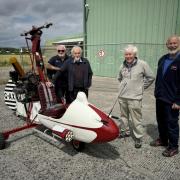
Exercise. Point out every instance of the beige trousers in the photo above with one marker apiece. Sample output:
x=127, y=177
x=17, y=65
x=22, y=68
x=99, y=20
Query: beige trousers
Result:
x=131, y=116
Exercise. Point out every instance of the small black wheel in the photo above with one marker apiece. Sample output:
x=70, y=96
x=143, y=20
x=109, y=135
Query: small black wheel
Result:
x=78, y=145
x=2, y=141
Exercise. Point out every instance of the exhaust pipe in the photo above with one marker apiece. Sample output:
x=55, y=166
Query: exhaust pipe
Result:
x=62, y=133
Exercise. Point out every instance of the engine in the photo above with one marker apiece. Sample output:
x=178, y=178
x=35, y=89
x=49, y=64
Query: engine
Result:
x=26, y=89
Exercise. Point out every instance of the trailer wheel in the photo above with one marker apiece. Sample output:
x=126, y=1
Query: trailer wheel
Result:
x=78, y=145
x=2, y=141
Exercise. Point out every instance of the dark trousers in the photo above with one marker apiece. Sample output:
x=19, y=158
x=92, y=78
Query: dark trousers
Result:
x=62, y=92
x=73, y=94
x=167, y=119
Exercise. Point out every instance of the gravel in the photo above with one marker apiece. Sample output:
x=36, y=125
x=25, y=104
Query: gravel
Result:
x=30, y=156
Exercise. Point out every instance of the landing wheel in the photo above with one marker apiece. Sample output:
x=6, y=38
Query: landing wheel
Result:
x=77, y=145
x=2, y=141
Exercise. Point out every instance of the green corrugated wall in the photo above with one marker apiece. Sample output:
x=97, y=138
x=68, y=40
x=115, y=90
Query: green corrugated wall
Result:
x=112, y=24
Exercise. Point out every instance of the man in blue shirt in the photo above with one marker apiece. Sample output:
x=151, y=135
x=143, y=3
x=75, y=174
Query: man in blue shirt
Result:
x=167, y=94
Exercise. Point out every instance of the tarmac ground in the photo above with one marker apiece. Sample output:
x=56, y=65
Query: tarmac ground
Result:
x=30, y=156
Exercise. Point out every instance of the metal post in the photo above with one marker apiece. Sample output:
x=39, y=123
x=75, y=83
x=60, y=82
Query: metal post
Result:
x=84, y=29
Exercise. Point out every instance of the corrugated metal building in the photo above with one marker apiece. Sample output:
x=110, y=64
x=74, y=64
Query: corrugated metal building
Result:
x=109, y=25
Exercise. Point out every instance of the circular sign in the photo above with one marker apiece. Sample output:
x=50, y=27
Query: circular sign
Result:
x=101, y=53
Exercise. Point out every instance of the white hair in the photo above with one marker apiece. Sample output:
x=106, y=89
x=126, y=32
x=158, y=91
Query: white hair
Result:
x=173, y=36
x=61, y=46
x=76, y=47
x=131, y=48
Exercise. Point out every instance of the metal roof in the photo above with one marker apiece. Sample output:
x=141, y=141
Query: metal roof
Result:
x=69, y=41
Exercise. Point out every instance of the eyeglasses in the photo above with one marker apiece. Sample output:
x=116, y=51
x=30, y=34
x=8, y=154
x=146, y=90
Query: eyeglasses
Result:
x=61, y=50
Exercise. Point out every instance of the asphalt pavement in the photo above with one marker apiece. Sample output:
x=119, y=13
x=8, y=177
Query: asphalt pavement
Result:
x=30, y=156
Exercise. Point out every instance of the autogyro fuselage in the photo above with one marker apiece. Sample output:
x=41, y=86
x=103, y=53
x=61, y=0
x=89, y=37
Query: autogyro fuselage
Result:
x=79, y=122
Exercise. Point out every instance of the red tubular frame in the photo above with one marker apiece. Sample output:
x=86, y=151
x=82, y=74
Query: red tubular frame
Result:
x=6, y=134
x=36, y=57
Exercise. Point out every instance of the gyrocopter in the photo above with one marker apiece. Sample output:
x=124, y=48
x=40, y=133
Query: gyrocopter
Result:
x=79, y=123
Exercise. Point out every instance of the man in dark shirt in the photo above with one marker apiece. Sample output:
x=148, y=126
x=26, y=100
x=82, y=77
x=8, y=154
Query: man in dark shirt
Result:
x=54, y=64
x=167, y=94
x=79, y=74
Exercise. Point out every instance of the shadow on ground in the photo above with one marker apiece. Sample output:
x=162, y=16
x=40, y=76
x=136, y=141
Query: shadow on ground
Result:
x=152, y=131
x=102, y=151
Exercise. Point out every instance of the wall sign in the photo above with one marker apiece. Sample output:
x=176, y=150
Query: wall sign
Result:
x=101, y=53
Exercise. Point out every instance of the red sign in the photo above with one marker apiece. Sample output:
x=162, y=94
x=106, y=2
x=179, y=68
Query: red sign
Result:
x=101, y=53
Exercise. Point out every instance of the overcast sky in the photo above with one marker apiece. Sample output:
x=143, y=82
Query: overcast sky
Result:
x=17, y=16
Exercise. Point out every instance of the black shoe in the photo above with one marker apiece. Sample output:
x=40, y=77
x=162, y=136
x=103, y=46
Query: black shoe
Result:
x=138, y=143
x=169, y=152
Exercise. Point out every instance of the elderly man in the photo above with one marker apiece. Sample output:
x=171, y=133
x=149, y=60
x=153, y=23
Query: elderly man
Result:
x=134, y=76
x=79, y=73
x=54, y=64
x=167, y=94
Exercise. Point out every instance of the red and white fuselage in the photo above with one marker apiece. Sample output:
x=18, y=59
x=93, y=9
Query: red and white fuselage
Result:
x=88, y=123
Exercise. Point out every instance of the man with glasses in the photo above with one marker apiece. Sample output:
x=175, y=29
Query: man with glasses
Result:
x=54, y=64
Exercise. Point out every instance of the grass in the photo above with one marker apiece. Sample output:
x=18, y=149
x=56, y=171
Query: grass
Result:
x=24, y=60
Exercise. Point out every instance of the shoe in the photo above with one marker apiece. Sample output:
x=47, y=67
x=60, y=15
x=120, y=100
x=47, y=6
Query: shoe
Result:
x=138, y=143
x=124, y=133
x=169, y=152
x=157, y=143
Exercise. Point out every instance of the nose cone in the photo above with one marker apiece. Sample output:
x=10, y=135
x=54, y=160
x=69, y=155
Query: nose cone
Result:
x=108, y=131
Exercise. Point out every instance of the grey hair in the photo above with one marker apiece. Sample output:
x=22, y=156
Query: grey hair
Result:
x=62, y=46
x=173, y=36
x=131, y=48
x=76, y=47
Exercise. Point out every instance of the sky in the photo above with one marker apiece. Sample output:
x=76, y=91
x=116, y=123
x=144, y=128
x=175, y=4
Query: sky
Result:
x=17, y=16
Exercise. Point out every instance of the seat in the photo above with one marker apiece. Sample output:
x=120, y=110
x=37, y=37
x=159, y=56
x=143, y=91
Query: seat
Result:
x=49, y=105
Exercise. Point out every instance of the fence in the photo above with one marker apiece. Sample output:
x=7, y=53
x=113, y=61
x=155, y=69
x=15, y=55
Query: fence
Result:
x=105, y=59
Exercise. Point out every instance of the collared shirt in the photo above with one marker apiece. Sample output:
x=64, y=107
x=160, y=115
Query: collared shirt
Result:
x=78, y=61
x=58, y=62
x=168, y=62
x=130, y=65
x=167, y=86
x=68, y=67
x=78, y=74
